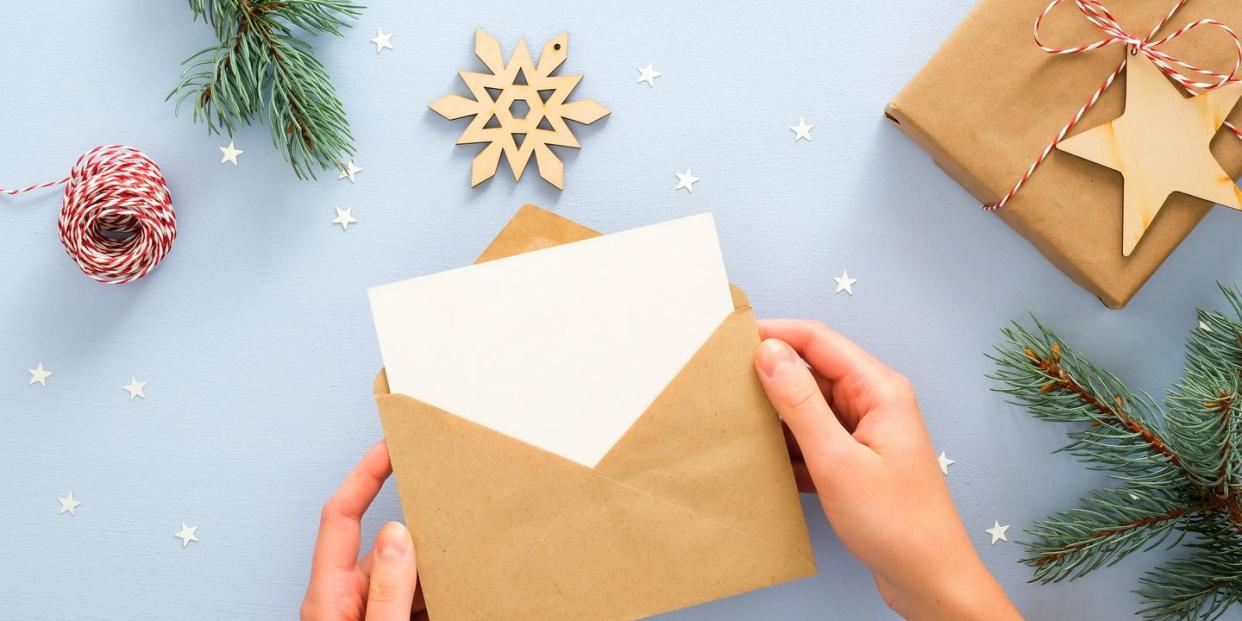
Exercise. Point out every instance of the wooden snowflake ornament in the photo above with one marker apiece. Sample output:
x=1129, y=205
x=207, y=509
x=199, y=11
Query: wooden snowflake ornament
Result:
x=519, y=109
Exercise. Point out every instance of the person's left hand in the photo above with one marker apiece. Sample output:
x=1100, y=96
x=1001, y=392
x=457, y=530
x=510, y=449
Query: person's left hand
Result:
x=383, y=585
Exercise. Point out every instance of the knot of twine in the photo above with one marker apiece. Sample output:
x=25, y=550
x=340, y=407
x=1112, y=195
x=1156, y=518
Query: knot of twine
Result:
x=1099, y=16
x=116, y=219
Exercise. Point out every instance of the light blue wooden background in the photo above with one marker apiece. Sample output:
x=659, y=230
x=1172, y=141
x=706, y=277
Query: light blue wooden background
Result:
x=256, y=341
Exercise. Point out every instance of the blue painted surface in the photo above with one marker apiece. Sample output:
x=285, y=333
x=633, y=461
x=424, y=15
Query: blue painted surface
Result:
x=256, y=341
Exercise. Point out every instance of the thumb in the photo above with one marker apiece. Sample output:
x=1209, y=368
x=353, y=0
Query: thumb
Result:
x=796, y=396
x=393, y=575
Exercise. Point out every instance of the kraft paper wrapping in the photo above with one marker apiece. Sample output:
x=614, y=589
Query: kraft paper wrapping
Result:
x=989, y=100
x=696, y=502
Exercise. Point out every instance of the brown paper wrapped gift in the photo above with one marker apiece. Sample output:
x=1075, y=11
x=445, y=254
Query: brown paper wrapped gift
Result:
x=696, y=502
x=990, y=100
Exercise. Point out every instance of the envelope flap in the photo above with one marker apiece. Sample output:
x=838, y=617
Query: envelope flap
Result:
x=469, y=493
x=533, y=228
x=620, y=553
x=712, y=444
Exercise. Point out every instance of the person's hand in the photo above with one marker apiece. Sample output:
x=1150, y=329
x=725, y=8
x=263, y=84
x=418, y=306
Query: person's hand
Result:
x=382, y=586
x=860, y=442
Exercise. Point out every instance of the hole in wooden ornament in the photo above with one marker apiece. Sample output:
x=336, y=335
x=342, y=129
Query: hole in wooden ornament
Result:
x=492, y=122
x=546, y=94
x=521, y=78
x=519, y=109
x=493, y=92
x=519, y=138
x=544, y=124
x=556, y=47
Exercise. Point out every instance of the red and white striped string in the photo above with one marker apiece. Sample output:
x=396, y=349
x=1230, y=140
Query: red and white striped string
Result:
x=116, y=218
x=1099, y=16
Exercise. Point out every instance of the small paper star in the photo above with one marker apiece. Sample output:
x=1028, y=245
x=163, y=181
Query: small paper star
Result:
x=845, y=283
x=686, y=180
x=39, y=375
x=382, y=40
x=230, y=153
x=68, y=503
x=186, y=534
x=648, y=75
x=348, y=171
x=801, y=130
x=945, y=462
x=135, y=388
x=344, y=217
x=998, y=532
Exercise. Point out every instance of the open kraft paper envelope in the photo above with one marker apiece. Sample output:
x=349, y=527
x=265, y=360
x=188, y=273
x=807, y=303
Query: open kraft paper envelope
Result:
x=695, y=502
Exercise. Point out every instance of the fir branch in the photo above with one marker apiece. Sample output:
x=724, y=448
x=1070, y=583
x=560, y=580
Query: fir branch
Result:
x=261, y=68
x=1201, y=586
x=1107, y=526
x=1205, y=404
x=1055, y=383
x=1179, y=467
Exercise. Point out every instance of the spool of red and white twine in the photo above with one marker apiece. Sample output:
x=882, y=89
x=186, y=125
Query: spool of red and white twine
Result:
x=116, y=219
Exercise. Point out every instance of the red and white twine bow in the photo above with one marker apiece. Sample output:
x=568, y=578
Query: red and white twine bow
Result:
x=1198, y=80
x=116, y=219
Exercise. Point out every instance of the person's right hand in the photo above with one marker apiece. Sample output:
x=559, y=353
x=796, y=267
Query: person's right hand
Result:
x=862, y=445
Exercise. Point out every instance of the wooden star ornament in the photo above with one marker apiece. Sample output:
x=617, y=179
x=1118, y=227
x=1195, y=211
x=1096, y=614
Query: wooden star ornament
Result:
x=519, y=109
x=1160, y=145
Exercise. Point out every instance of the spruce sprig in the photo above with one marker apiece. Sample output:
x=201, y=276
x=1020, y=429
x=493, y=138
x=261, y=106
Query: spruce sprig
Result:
x=261, y=68
x=1178, y=467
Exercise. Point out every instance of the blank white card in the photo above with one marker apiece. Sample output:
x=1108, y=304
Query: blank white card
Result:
x=562, y=348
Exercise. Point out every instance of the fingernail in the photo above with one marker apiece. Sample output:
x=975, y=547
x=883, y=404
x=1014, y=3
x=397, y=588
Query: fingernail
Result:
x=394, y=541
x=774, y=354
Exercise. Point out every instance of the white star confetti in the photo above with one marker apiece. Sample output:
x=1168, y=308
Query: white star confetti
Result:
x=348, y=171
x=135, y=388
x=997, y=531
x=648, y=75
x=68, y=504
x=39, y=375
x=801, y=130
x=230, y=153
x=186, y=534
x=344, y=217
x=845, y=283
x=382, y=40
x=945, y=462
x=686, y=180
